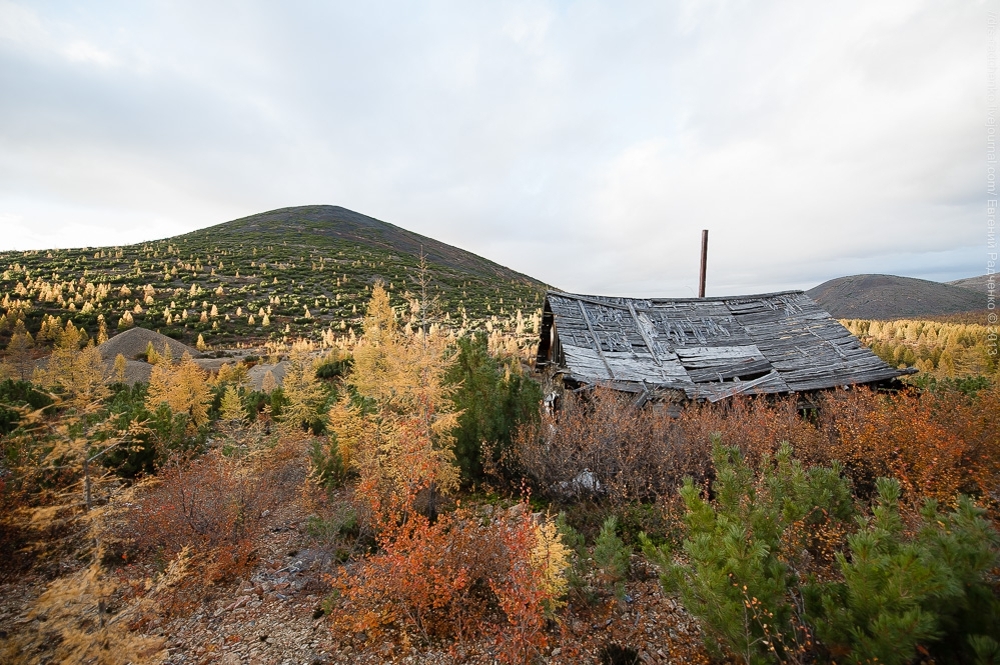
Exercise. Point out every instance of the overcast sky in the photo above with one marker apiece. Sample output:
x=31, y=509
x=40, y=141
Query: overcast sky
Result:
x=583, y=143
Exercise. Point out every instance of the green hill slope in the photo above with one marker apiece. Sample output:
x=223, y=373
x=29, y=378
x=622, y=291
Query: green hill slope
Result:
x=317, y=227
x=308, y=269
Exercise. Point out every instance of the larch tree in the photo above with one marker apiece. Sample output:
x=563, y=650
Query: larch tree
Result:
x=405, y=446
x=78, y=374
x=268, y=384
x=231, y=409
x=301, y=387
x=183, y=388
x=119, y=368
x=19, y=361
x=76, y=440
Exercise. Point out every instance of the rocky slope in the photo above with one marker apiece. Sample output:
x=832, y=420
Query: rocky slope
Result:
x=891, y=297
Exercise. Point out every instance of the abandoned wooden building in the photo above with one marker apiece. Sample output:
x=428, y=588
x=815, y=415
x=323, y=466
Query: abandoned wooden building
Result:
x=703, y=348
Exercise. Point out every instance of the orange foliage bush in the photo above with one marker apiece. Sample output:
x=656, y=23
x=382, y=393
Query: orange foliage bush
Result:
x=212, y=504
x=758, y=425
x=937, y=444
x=644, y=454
x=976, y=422
x=459, y=577
x=629, y=450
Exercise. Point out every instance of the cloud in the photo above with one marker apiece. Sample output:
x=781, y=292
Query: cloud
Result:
x=82, y=51
x=582, y=143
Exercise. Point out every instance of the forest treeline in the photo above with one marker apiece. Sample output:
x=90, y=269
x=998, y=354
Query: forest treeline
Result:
x=939, y=349
x=458, y=509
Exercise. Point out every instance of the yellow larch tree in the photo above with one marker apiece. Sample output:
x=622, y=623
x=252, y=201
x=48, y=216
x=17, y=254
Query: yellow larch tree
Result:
x=268, y=384
x=18, y=363
x=233, y=374
x=119, y=369
x=184, y=388
x=231, y=409
x=301, y=387
x=77, y=373
x=404, y=446
x=76, y=440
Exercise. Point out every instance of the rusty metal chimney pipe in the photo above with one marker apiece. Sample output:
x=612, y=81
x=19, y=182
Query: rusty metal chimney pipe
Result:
x=704, y=263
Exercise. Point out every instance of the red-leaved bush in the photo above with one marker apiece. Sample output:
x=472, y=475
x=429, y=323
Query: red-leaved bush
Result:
x=213, y=505
x=937, y=444
x=462, y=576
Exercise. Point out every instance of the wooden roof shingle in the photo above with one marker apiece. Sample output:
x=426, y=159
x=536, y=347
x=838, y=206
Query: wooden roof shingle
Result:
x=709, y=348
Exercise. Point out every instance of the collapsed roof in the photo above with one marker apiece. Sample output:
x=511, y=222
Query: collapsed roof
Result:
x=709, y=348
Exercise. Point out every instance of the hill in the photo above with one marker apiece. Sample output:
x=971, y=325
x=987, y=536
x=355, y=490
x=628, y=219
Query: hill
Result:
x=890, y=297
x=978, y=284
x=300, y=271
x=321, y=226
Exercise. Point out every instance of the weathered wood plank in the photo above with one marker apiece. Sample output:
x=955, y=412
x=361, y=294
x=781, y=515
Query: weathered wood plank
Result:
x=703, y=344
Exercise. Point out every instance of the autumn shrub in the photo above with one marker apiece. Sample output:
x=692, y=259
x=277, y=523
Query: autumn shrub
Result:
x=642, y=454
x=975, y=420
x=936, y=444
x=533, y=585
x=601, y=445
x=460, y=577
x=209, y=503
x=213, y=504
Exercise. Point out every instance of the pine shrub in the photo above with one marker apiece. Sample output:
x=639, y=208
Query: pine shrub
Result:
x=494, y=398
x=900, y=593
x=611, y=556
x=774, y=574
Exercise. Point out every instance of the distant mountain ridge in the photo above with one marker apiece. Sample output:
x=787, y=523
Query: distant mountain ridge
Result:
x=892, y=297
x=979, y=283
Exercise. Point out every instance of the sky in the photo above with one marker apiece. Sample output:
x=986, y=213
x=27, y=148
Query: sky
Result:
x=586, y=144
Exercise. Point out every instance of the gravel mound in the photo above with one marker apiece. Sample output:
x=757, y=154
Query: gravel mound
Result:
x=136, y=371
x=133, y=342
x=213, y=365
